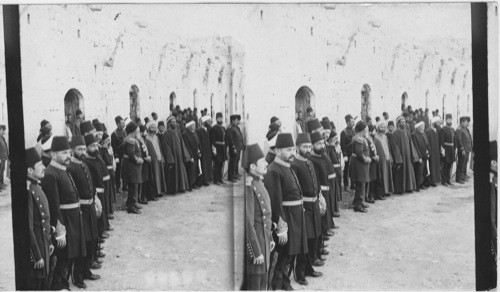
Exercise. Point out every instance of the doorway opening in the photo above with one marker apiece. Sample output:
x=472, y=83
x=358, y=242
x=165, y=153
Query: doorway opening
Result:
x=304, y=98
x=134, y=102
x=73, y=101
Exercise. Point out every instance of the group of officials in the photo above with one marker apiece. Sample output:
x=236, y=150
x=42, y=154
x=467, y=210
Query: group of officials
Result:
x=72, y=182
x=293, y=192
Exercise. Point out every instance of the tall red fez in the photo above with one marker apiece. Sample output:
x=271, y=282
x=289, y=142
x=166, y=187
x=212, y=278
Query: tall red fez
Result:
x=89, y=140
x=360, y=126
x=463, y=119
x=98, y=127
x=77, y=141
x=32, y=157
x=251, y=155
x=86, y=127
x=448, y=116
x=284, y=140
x=131, y=127
x=326, y=123
x=302, y=138
x=313, y=125
x=316, y=137
x=218, y=115
x=59, y=143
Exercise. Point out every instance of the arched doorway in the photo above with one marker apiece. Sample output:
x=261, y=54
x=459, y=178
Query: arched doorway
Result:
x=404, y=99
x=172, y=101
x=134, y=102
x=73, y=101
x=304, y=98
x=195, y=98
x=366, y=103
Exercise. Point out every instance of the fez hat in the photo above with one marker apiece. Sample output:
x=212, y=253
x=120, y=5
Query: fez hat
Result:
x=32, y=157
x=78, y=141
x=419, y=124
x=448, y=116
x=205, y=119
x=161, y=123
x=399, y=119
x=371, y=128
x=313, y=125
x=86, y=127
x=90, y=139
x=284, y=140
x=175, y=113
x=463, y=119
x=191, y=123
x=98, y=127
x=405, y=114
x=315, y=137
x=302, y=138
x=234, y=117
x=131, y=127
x=142, y=128
x=348, y=118
x=118, y=119
x=218, y=115
x=251, y=155
x=170, y=118
x=326, y=123
x=59, y=143
x=44, y=123
x=468, y=119
x=3, y=127
x=95, y=122
x=390, y=123
x=360, y=126
x=333, y=133
x=104, y=137
x=274, y=119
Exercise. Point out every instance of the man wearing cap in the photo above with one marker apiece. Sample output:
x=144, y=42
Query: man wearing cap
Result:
x=327, y=128
x=65, y=212
x=132, y=167
x=306, y=175
x=83, y=181
x=157, y=160
x=106, y=154
x=360, y=166
x=464, y=147
x=161, y=128
x=99, y=130
x=346, y=137
x=422, y=146
x=39, y=225
x=87, y=128
x=258, y=224
x=205, y=150
x=234, y=143
x=403, y=155
x=117, y=138
x=176, y=154
x=447, y=141
x=385, y=184
x=334, y=152
x=287, y=207
x=192, y=142
x=434, y=151
x=218, y=140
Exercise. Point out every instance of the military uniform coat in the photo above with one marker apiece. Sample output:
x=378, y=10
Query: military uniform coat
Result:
x=435, y=155
x=306, y=174
x=283, y=186
x=60, y=189
x=234, y=138
x=39, y=227
x=346, y=137
x=324, y=185
x=108, y=160
x=358, y=169
x=447, y=141
x=218, y=140
x=83, y=182
x=98, y=171
x=131, y=169
x=336, y=158
x=258, y=225
x=463, y=140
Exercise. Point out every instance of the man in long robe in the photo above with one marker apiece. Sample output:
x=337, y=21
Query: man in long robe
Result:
x=434, y=151
x=422, y=144
x=157, y=160
x=177, y=180
x=205, y=150
x=404, y=156
x=385, y=181
x=192, y=142
x=447, y=142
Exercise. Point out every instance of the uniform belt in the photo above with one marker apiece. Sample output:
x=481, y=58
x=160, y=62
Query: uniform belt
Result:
x=220, y=143
x=291, y=203
x=332, y=176
x=69, y=206
x=86, y=202
x=448, y=144
x=110, y=167
x=354, y=155
x=336, y=165
x=125, y=156
x=99, y=190
x=106, y=178
x=325, y=188
x=310, y=199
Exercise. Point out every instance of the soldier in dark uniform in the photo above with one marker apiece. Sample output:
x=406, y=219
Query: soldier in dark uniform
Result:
x=286, y=203
x=86, y=191
x=117, y=138
x=447, y=141
x=39, y=225
x=464, y=147
x=360, y=166
x=64, y=207
x=258, y=227
x=132, y=167
x=346, y=137
x=110, y=165
x=234, y=143
x=306, y=174
x=374, y=173
x=335, y=154
x=147, y=190
x=218, y=140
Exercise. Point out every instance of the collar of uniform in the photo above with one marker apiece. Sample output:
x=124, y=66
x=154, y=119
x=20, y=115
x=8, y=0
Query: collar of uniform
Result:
x=254, y=177
x=281, y=162
x=57, y=165
x=299, y=157
x=76, y=160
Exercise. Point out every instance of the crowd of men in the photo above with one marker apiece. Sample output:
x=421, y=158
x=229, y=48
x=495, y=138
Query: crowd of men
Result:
x=73, y=181
x=294, y=187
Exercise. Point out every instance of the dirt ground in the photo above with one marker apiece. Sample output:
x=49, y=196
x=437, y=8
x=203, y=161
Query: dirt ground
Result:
x=7, y=279
x=417, y=241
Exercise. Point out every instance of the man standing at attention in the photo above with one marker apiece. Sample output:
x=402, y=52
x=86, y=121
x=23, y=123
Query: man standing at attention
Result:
x=346, y=137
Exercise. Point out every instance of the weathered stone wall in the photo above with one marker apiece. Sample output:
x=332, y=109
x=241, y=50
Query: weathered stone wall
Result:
x=268, y=52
